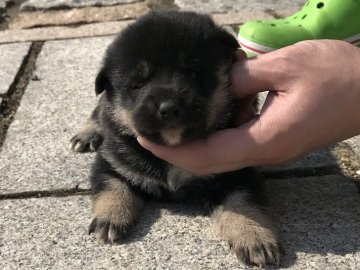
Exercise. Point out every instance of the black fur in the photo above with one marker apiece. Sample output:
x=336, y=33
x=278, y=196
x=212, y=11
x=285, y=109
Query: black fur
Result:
x=160, y=74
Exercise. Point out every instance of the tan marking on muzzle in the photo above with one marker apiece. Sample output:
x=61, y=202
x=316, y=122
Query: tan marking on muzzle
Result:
x=172, y=136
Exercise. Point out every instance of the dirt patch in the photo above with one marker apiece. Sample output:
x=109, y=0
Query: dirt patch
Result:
x=349, y=162
x=11, y=13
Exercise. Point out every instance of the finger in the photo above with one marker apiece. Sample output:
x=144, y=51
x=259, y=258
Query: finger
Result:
x=266, y=72
x=251, y=76
x=179, y=155
x=226, y=150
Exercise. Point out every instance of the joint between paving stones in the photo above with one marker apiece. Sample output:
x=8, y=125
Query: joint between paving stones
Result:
x=45, y=194
x=11, y=100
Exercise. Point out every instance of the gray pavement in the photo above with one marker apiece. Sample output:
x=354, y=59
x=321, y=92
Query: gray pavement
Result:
x=30, y=5
x=45, y=213
x=318, y=219
x=79, y=15
x=220, y=6
x=35, y=155
x=11, y=58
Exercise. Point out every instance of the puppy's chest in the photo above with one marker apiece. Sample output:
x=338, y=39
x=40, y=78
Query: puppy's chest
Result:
x=177, y=178
x=168, y=184
x=146, y=172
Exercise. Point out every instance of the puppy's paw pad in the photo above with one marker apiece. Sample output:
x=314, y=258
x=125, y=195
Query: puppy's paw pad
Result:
x=85, y=141
x=259, y=253
x=108, y=232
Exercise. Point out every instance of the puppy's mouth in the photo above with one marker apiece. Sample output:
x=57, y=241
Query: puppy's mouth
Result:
x=171, y=128
x=172, y=135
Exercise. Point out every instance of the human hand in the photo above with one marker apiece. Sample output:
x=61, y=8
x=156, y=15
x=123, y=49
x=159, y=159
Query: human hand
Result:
x=313, y=101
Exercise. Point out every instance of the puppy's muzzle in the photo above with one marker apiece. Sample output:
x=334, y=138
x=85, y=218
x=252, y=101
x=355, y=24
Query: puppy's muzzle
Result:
x=169, y=111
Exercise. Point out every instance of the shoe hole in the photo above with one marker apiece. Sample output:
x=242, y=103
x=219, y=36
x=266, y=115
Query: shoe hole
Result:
x=299, y=25
x=273, y=24
x=307, y=3
x=294, y=17
x=320, y=5
x=303, y=17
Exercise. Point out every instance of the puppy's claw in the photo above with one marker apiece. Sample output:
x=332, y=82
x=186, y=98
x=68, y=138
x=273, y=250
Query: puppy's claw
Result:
x=259, y=255
x=113, y=234
x=92, y=147
x=92, y=226
x=79, y=147
x=107, y=232
x=86, y=141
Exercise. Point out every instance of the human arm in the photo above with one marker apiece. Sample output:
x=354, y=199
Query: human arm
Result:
x=314, y=100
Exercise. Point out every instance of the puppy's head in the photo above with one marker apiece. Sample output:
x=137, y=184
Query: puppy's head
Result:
x=166, y=77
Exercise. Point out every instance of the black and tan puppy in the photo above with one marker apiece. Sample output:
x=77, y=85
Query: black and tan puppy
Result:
x=166, y=78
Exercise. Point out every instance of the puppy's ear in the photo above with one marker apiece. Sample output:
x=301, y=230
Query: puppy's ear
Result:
x=227, y=39
x=101, y=82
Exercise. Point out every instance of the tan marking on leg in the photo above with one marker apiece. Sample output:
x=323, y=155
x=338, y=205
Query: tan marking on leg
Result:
x=116, y=209
x=249, y=232
x=117, y=203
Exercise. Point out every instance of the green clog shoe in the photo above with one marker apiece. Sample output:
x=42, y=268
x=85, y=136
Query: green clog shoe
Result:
x=318, y=19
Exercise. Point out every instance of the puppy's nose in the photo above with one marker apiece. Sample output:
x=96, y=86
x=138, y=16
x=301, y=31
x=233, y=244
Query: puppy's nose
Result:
x=169, y=110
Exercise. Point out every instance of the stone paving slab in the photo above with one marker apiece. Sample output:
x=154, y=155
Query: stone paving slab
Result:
x=78, y=16
x=11, y=58
x=35, y=154
x=104, y=28
x=236, y=18
x=115, y=13
x=31, y=5
x=318, y=220
x=224, y=6
x=61, y=32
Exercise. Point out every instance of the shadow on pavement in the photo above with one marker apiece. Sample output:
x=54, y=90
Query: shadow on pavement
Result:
x=315, y=215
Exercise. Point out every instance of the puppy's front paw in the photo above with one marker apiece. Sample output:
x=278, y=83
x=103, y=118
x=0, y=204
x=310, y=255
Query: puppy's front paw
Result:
x=108, y=231
x=258, y=247
x=248, y=231
x=86, y=140
x=116, y=209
